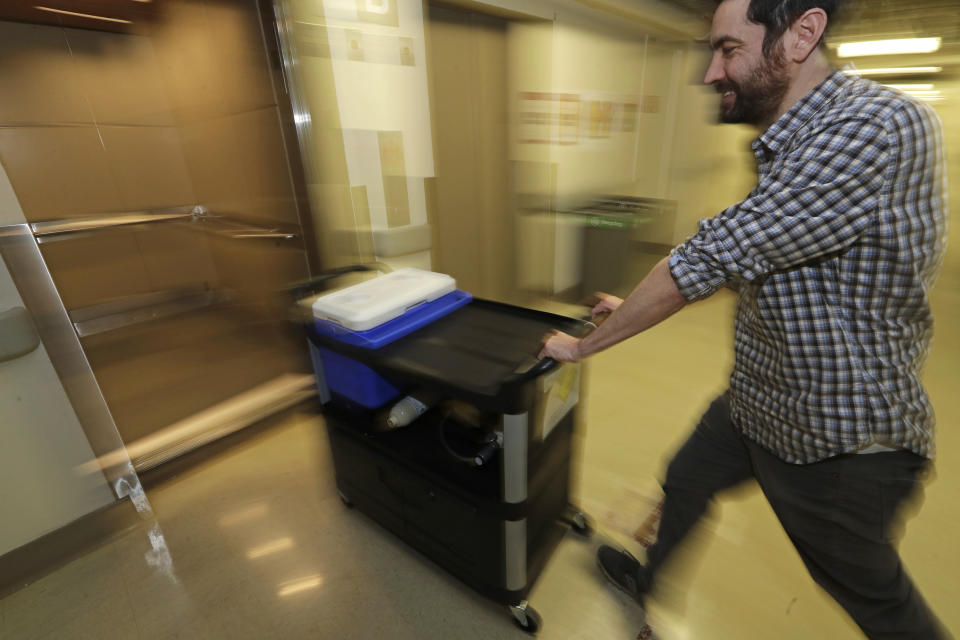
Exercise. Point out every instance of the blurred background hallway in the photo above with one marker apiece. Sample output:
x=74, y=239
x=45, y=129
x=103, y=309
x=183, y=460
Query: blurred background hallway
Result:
x=171, y=169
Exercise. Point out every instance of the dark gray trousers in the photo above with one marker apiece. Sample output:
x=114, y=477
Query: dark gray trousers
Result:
x=839, y=514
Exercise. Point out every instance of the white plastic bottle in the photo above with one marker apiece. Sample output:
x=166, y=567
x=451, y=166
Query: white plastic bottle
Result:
x=405, y=411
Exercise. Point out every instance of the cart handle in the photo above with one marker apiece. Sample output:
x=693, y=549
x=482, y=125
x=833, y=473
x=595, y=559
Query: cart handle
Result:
x=537, y=370
x=547, y=364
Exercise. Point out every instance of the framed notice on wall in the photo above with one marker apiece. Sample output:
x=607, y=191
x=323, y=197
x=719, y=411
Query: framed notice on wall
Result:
x=569, y=118
x=548, y=118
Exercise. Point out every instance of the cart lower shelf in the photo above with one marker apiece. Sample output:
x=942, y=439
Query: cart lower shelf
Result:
x=497, y=549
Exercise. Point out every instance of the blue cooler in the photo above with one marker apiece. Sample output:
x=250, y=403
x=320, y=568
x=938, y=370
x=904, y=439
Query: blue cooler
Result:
x=370, y=315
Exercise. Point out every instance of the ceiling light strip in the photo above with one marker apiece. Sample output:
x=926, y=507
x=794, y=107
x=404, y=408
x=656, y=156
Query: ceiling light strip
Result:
x=912, y=87
x=899, y=46
x=893, y=71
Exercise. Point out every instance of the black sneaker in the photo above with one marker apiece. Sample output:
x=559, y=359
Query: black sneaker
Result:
x=624, y=571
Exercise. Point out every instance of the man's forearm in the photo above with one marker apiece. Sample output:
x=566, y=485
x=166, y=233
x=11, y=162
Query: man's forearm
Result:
x=655, y=299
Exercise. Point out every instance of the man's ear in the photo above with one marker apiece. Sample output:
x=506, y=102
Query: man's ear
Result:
x=805, y=35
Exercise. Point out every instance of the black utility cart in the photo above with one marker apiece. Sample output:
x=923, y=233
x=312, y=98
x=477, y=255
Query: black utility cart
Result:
x=479, y=483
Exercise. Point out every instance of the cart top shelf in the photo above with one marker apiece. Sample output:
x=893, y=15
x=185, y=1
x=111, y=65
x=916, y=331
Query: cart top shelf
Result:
x=484, y=353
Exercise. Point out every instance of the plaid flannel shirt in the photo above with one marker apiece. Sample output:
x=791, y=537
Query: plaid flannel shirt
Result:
x=833, y=254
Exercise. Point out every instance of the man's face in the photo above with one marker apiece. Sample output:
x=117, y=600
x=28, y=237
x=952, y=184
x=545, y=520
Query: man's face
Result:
x=751, y=85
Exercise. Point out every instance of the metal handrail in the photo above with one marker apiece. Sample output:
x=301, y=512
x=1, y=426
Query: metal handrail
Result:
x=59, y=227
x=52, y=230
x=148, y=307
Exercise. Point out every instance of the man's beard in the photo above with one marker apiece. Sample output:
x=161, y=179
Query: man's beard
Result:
x=757, y=98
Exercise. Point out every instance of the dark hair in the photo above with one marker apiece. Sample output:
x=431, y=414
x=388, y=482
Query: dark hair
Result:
x=778, y=15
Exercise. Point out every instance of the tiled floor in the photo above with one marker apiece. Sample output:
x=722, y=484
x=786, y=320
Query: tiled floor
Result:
x=254, y=542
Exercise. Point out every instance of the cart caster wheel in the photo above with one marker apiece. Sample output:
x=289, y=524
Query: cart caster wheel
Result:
x=526, y=617
x=580, y=524
x=345, y=500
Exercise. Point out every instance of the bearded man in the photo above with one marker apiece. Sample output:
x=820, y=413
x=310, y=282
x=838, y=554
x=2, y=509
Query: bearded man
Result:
x=832, y=254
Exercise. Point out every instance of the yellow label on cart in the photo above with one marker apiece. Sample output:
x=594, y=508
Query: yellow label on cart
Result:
x=567, y=379
x=561, y=392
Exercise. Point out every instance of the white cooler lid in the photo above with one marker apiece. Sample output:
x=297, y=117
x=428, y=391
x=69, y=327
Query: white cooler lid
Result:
x=369, y=304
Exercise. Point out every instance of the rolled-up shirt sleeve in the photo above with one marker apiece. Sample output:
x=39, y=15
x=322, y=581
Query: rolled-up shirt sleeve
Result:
x=816, y=202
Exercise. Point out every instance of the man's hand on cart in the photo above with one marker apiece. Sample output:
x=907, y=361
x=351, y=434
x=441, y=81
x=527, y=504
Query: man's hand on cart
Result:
x=564, y=348
x=602, y=305
x=652, y=301
x=561, y=347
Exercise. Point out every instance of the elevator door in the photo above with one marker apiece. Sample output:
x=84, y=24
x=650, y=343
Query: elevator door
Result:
x=473, y=219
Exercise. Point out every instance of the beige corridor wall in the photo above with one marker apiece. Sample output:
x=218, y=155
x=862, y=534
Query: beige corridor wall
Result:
x=617, y=86
x=712, y=166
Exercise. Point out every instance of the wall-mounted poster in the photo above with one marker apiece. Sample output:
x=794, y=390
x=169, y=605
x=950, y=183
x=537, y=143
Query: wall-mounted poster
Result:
x=569, y=118
x=548, y=118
